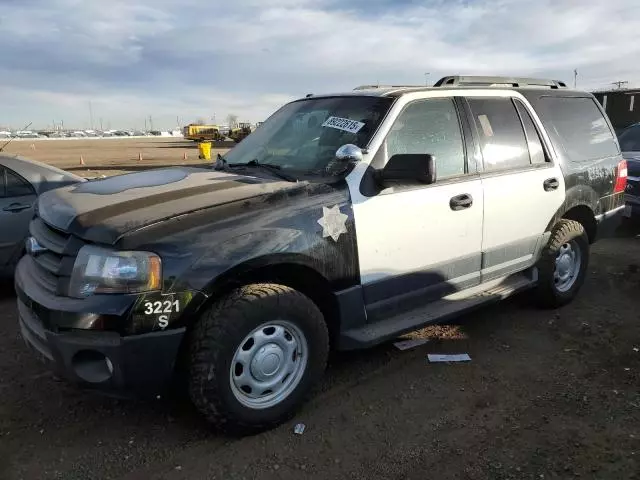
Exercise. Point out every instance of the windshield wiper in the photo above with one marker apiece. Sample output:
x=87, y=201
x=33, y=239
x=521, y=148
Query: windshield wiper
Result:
x=271, y=168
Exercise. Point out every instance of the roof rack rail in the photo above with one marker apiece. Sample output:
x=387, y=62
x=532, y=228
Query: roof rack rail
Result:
x=479, y=81
x=369, y=87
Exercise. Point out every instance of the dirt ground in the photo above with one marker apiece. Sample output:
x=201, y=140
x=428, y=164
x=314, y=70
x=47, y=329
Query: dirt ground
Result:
x=111, y=156
x=548, y=394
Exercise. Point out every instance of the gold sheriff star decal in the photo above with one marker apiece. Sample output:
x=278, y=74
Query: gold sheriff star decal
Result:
x=333, y=222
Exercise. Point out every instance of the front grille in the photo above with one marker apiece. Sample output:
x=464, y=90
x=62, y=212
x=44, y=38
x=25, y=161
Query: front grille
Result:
x=54, y=265
x=32, y=330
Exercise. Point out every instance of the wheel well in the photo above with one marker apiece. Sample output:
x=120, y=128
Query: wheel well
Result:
x=584, y=215
x=299, y=277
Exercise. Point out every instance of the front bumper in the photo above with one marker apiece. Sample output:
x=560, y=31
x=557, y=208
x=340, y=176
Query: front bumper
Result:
x=138, y=365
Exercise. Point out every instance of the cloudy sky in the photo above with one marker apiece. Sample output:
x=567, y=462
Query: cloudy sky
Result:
x=180, y=60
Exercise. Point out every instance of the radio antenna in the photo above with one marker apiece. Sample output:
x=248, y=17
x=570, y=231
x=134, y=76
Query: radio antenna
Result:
x=12, y=138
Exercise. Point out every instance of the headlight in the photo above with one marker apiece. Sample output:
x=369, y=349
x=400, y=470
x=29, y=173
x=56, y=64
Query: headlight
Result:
x=99, y=270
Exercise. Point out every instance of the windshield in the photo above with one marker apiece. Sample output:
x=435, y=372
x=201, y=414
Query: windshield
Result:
x=630, y=139
x=304, y=135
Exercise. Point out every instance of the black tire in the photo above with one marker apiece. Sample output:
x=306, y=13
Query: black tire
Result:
x=547, y=293
x=220, y=331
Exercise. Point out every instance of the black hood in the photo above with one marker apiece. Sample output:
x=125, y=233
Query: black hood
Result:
x=101, y=211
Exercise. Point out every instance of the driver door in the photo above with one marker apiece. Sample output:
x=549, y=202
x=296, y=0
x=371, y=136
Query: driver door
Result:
x=416, y=244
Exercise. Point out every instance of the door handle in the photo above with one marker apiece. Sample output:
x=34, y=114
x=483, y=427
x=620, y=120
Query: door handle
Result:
x=16, y=207
x=550, y=184
x=460, y=202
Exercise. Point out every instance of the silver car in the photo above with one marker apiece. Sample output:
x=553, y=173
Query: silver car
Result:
x=21, y=181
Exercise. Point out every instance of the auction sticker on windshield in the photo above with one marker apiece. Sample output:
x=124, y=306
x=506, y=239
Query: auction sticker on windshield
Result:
x=344, y=124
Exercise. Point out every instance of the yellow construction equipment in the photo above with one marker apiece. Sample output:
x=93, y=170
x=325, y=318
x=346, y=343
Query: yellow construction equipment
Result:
x=240, y=132
x=202, y=133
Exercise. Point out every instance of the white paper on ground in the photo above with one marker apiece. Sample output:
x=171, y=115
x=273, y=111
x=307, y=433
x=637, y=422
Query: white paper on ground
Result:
x=459, y=357
x=407, y=344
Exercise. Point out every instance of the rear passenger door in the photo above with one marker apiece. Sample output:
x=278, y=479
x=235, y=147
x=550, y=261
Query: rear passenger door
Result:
x=523, y=187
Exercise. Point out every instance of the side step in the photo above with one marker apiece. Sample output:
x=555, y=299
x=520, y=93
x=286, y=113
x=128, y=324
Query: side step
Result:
x=449, y=307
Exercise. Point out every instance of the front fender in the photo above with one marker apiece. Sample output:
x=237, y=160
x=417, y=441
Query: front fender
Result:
x=214, y=246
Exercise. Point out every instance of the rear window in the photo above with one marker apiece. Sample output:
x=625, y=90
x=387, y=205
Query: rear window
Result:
x=577, y=124
x=630, y=139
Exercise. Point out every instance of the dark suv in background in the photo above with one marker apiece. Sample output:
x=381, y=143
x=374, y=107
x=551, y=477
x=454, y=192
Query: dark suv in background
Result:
x=629, y=140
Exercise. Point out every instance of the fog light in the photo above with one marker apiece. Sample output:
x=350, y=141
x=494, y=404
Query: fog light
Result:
x=92, y=366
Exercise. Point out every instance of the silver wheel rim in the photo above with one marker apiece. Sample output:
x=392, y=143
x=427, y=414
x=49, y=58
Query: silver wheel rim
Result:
x=268, y=364
x=568, y=263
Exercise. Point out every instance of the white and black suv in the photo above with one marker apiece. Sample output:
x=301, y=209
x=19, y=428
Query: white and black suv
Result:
x=345, y=220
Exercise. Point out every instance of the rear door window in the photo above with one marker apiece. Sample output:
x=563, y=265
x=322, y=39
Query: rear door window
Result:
x=15, y=186
x=502, y=138
x=577, y=124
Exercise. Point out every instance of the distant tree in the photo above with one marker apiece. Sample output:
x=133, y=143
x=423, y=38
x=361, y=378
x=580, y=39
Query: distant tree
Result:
x=200, y=121
x=232, y=120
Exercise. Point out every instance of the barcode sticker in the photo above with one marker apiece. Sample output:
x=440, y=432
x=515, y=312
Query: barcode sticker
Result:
x=351, y=126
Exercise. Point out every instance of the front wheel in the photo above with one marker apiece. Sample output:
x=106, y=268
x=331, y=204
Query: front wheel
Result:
x=563, y=264
x=254, y=357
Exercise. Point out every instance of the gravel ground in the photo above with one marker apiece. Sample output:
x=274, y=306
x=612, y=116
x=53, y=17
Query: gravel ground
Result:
x=548, y=394
x=111, y=156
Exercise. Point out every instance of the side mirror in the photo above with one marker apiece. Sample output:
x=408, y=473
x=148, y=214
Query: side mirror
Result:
x=349, y=153
x=346, y=156
x=409, y=168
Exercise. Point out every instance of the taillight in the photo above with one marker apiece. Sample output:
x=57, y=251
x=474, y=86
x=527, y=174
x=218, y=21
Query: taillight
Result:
x=621, y=177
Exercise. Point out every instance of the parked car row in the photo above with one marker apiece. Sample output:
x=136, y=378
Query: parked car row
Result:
x=83, y=134
x=95, y=133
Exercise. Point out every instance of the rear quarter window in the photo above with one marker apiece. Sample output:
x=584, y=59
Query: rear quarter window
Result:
x=577, y=124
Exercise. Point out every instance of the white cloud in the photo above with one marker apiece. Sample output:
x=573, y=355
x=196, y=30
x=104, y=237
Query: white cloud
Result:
x=193, y=58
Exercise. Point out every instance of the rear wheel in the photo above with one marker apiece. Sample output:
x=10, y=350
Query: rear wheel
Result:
x=254, y=357
x=563, y=264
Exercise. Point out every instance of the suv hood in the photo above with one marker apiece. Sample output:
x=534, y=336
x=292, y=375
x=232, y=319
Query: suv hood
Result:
x=103, y=210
